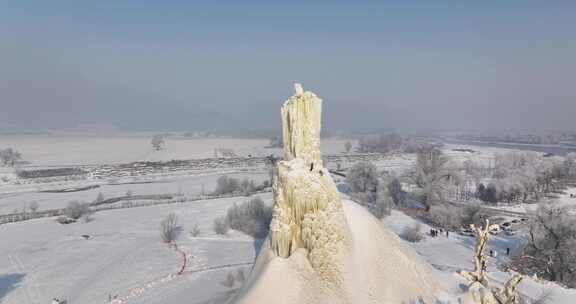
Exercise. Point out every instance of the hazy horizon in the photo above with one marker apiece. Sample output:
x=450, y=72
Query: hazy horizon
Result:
x=177, y=65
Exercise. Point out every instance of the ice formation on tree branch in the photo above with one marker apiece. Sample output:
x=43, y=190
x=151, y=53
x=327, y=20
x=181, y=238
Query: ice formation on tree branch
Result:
x=479, y=285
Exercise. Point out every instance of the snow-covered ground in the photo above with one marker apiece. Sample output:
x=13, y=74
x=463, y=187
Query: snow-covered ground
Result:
x=562, y=199
x=455, y=252
x=89, y=149
x=124, y=256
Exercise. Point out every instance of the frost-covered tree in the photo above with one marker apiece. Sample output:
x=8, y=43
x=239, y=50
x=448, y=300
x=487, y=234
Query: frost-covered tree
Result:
x=446, y=216
x=382, y=143
x=33, y=206
x=412, y=233
x=550, y=247
x=432, y=175
x=251, y=217
x=369, y=189
x=362, y=178
x=384, y=201
x=395, y=190
x=570, y=165
x=158, y=143
x=99, y=198
x=226, y=185
x=480, y=287
x=523, y=176
x=348, y=146
x=221, y=225
x=10, y=157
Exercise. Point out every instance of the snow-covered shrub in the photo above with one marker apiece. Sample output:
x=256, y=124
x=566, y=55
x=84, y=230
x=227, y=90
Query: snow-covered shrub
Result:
x=87, y=217
x=251, y=217
x=34, y=206
x=64, y=220
x=240, y=277
x=348, y=146
x=445, y=216
x=75, y=209
x=195, y=231
x=169, y=228
x=221, y=226
x=226, y=185
x=231, y=185
x=99, y=198
x=412, y=233
x=229, y=281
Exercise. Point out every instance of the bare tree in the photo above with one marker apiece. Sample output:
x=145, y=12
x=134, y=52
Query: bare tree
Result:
x=169, y=228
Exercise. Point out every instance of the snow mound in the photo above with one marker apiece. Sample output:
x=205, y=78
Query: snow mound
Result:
x=378, y=268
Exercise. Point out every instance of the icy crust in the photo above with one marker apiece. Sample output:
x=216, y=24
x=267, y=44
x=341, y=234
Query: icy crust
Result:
x=308, y=214
x=301, y=119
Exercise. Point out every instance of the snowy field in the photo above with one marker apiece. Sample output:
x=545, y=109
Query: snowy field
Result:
x=188, y=186
x=124, y=256
x=86, y=149
x=120, y=254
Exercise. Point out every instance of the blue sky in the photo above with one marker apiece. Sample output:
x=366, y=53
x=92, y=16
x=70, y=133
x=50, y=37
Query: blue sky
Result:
x=178, y=65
